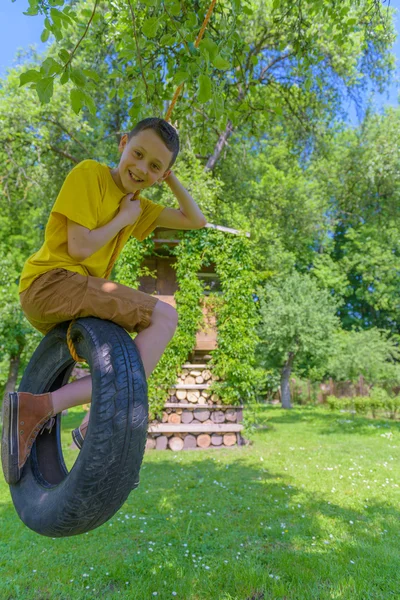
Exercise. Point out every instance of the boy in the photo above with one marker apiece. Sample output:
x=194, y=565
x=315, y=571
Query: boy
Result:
x=64, y=280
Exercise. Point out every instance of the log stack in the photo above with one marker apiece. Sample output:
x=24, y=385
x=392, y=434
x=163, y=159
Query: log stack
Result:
x=193, y=418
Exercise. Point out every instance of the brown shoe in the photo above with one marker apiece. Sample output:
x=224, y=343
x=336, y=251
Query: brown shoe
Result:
x=24, y=415
x=78, y=434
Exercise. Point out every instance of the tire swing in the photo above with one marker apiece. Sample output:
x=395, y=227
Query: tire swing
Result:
x=48, y=499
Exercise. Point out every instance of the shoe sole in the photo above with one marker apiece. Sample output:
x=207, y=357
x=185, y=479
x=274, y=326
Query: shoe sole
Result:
x=9, y=439
x=77, y=437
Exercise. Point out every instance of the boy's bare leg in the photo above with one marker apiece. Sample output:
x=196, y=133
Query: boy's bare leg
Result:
x=151, y=343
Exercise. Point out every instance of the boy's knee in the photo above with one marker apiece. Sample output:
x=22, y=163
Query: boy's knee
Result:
x=166, y=313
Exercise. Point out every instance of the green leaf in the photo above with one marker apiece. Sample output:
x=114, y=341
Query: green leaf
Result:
x=210, y=46
x=192, y=48
x=55, y=15
x=175, y=9
x=220, y=63
x=64, y=77
x=308, y=83
x=59, y=17
x=29, y=76
x=45, y=35
x=64, y=55
x=180, y=76
x=91, y=74
x=192, y=20
x=31, y=12
x=50, y=67
x=44, y=88
x=204, y=93
x=167, y=40
x=150, y=26
x=78, y=77
x=90, y=103
x=134, y=111
x=150, y=2
x=77, y=99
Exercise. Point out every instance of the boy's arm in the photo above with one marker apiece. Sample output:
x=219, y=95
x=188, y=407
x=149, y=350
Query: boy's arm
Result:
x=83, y=242
x=188, y=217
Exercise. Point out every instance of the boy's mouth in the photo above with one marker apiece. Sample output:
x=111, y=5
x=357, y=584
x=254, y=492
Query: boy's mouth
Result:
x=134, y=179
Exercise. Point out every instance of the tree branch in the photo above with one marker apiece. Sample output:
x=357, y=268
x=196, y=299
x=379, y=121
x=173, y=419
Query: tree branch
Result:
x=138, y=51
x=83, y=36
x=65, y=154
x=68, y=133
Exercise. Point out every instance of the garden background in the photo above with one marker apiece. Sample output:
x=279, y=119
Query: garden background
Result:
x=268, y=147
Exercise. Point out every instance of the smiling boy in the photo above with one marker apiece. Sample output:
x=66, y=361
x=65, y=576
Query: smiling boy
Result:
x=64, y=280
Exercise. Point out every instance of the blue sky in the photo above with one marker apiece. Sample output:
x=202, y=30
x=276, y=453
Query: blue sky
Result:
x=20, y=31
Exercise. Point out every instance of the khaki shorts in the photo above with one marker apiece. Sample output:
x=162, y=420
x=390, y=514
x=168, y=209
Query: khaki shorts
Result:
x=62, y=295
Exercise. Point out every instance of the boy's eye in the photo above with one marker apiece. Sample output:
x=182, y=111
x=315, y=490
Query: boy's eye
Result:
x=156, y=166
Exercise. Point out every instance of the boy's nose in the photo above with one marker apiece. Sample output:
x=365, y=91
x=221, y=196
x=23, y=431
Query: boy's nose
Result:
x=142, y=171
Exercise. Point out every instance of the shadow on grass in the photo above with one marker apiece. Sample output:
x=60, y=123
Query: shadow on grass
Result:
x=221, y=503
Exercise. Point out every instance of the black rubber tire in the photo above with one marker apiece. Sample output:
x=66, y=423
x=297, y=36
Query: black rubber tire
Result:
x=50, y=500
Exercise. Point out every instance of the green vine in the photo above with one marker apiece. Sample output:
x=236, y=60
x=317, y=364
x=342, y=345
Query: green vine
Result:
x=233, y=360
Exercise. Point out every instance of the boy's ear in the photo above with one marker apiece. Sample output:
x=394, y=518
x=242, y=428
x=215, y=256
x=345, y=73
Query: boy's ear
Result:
x=166, y=174
x=122, y=142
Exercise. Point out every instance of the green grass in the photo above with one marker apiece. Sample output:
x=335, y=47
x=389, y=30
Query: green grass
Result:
x=309, y=510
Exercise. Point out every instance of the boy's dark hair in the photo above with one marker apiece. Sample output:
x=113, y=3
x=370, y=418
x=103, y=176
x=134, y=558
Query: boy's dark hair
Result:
x=164, y=130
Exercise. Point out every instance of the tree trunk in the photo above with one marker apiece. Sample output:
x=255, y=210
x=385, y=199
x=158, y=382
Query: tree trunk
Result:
x=285, y=379
x=12, y=375
x=223, y=138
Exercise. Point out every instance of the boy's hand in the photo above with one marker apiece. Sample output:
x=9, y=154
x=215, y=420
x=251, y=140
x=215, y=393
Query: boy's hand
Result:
x=129, y=209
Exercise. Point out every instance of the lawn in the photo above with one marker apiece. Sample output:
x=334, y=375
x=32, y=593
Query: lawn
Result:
x=309, y=510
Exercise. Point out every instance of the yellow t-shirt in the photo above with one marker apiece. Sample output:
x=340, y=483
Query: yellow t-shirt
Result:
x=89, y=196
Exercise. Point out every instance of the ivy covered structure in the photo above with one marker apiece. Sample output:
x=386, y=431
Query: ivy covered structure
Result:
x=207, y=372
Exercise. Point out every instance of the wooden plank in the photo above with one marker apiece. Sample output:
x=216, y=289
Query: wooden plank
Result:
x=190, y=386
x=178, y=405
x=194, y=366
x=196, y=428
x=227, y=229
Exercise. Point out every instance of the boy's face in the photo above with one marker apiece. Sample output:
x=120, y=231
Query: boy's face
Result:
x=145, y=157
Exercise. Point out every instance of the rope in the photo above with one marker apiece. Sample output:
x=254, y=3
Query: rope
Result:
x=119, y=239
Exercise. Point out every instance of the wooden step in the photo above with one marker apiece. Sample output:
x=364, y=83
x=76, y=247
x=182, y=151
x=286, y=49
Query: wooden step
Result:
x=196, y=428
x=194, y=366
x=192, y=405
x=190, y=386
